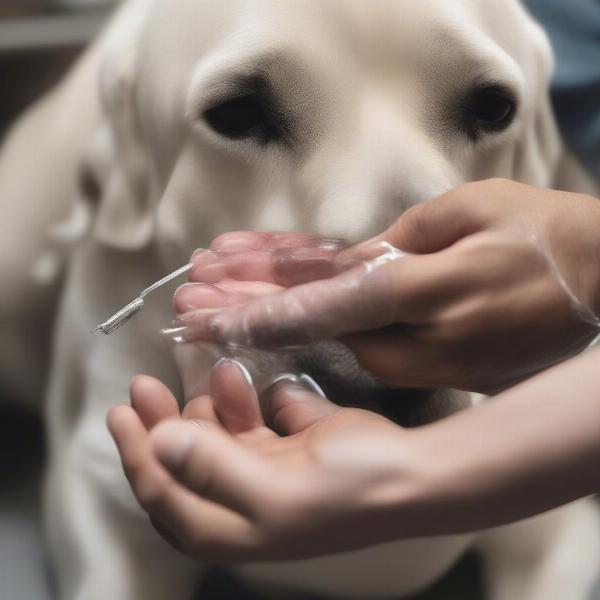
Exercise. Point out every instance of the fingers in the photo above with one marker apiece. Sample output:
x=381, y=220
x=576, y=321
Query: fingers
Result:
x=296, y=316
x=191, y=524
x=152, y=400
x=202, y=529
x=236, y=241
x=284, y=259
x=192, y=296
x=235, y=399
x=146, y=477
x=406, y=290
x=294, y=404
x=402, y=358
x=233, y=404
x=127, y=429
x=243, y=241
x=209, y=462
x=322, y=306
x=252, y=265
x=289, y=259
x=437, y=224
x=200, y=408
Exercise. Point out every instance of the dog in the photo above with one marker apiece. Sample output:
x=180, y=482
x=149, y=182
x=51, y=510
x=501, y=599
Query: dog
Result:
x=189, y=118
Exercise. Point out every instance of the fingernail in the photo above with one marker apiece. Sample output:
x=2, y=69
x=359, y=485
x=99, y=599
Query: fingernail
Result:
x=289, y=378
x=329, y=245
x=231, y=362
x=238, y=241
x=309, y=382
x=208, y=269
x=195, y=326
x=188, y=284
x=177, y=335
x=173, y=444
x=181, y=300
x=302, y=381
x=193, y=296
x=199, y=252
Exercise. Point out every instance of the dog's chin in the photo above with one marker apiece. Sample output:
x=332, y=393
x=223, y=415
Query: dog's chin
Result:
x=345, y=383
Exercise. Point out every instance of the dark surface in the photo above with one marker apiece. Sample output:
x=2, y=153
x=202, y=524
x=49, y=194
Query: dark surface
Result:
x=462, y=583
x=25, y=76
x=21, y=450
x=22, y=8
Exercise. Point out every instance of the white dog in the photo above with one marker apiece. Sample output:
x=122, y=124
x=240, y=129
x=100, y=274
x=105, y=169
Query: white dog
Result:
x=328, y=116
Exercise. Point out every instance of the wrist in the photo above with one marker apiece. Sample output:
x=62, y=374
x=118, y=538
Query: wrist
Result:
x=593, y=254
x=409, y=501
x=435, y=486
x=576, y=248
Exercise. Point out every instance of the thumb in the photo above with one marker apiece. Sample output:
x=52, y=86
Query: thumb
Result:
x=235, y=399
x=204, y=458
x=294, y=403
x=436, y=224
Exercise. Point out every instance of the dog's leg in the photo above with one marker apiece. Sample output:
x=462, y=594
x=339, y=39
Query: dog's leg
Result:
x=552, y=557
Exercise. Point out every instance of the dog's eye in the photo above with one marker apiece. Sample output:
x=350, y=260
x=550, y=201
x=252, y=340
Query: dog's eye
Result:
x=490, y=109
x=243, y=117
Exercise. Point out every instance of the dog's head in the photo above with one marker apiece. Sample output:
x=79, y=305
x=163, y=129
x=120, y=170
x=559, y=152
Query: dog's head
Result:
x=329, y=116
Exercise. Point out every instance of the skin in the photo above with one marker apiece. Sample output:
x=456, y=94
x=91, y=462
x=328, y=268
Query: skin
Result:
x=221, y=483
x=292, y=475
x=476, y=306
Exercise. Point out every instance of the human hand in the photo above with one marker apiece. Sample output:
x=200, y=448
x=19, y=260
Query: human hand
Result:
x=223, y=484
x=477, y=305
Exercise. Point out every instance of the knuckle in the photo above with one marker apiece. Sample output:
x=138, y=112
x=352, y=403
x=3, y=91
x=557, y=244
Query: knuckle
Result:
x=198, y=467
x=467, y=194
x=416, y=221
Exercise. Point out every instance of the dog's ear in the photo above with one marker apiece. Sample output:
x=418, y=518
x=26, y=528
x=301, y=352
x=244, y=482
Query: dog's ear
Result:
x=115, y=178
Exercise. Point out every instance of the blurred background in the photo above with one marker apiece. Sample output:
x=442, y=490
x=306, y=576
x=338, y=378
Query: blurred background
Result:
x=39, y=40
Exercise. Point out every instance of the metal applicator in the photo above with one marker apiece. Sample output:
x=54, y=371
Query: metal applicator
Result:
x=121, y=317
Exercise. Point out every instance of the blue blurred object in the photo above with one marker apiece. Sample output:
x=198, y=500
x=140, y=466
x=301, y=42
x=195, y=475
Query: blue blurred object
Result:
x=574, y=28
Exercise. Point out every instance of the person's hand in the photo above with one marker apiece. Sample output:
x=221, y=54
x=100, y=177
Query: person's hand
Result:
x=221, y=484
x=485, y=298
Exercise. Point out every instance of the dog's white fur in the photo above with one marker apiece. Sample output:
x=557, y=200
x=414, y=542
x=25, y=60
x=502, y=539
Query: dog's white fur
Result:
x=369, y=82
